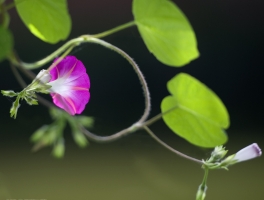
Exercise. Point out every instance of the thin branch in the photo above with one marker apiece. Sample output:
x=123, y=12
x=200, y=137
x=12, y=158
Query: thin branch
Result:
x=146, y=93
x=114, y=30
x=157, y=117
x=138, y=72
x=170, y=148
x=17, y=76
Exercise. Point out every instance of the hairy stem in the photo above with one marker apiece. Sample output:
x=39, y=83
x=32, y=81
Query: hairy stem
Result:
x=146, y=93
x=68, y=45
x=71, y=44
x=138, y=72
x=157, y=117
x=17, y=76
x=170, y=148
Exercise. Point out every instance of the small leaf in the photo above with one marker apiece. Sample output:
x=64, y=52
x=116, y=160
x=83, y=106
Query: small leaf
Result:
x=6, y=43
x=200, y=116
x=166, y=31
x=46, y=19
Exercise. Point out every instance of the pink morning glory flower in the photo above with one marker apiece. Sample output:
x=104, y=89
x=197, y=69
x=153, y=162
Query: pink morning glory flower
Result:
x=247, y=153
x=70, y=85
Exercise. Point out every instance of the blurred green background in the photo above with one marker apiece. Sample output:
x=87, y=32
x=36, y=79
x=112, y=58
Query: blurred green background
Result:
x=230, y=40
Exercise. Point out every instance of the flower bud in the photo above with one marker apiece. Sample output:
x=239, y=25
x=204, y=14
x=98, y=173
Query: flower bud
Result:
x=218, y=153
x=247, y=153
x=44, y=76
x=201, y=193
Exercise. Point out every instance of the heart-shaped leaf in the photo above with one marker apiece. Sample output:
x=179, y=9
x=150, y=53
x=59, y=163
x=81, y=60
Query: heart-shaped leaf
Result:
x=48, y=20
x=166, y=31
x=199, y=115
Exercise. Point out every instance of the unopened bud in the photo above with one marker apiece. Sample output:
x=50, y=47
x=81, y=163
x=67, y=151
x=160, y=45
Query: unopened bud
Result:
x=44, y=76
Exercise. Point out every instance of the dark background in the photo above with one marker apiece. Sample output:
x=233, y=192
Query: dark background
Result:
x=230, y=41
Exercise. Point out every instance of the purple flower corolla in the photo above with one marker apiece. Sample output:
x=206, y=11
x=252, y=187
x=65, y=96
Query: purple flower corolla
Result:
x=247, y=153
x=70, y=85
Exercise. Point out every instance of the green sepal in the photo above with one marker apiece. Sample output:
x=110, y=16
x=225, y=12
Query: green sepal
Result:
x=14, y=108
x=80, y=139
x=31, y=101
x=9, y=93
x=87, y=122
x=59, y=149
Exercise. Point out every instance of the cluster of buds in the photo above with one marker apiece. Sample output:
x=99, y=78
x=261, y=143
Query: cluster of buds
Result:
x=218, y=160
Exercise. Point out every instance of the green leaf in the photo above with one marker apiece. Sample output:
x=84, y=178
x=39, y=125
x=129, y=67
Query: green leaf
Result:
x=6, y=42
x=166, y=31
x=46, y=19
x=199, y=115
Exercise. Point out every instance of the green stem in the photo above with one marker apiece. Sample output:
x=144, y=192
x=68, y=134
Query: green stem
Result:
x=157, y=117
x=201, y=193
x=143, y=82
x=136, y=69
x=69, y=45
x=114, y=30
x=206, y=171
x=61, y=57
x=17, y=76
x=170, y=148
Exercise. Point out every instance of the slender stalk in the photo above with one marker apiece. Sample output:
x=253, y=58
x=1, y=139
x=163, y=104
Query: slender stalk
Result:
x=71, y=44
x=201, y=193
x=142, y=80
x=17, y=76
x=170, y=148
x=157, y=117
x=105, y=139
x=114, y=30
x=61, y=57
x=206, y=171
x=68, y=45
x=138, y=72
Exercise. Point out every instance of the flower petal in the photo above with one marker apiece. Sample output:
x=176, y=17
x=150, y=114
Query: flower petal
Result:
x=247, y=153
x=74, y=104
x=70, y=85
